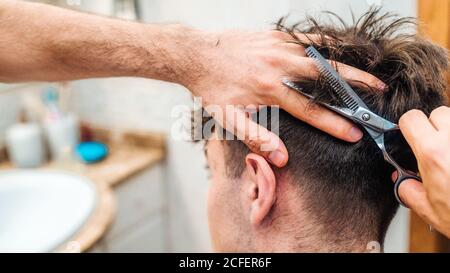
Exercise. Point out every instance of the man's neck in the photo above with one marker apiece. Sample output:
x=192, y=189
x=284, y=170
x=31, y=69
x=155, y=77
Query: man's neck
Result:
x=291, y=229
x=306, y=243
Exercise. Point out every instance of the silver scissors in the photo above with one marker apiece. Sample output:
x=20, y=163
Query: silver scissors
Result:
x=356, y=110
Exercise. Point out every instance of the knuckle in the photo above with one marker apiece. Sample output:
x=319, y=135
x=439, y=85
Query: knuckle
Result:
x=438, y=160
x=265, y=84
x=414, y=113
x=253, y=144
x=409, y=116
x=275, y=34
x=343, y=129
x=309, y=69
x=438, y=200
x=430, y=152
x=373, y=81
x=437, y=111
x=271, y=59
x=339, y=127
x=311, y=113
x=268, y=97
x=278, y=35
x=280, y=97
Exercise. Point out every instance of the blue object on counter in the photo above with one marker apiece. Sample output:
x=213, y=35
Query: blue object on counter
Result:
x=92, y=152
x=50, y=95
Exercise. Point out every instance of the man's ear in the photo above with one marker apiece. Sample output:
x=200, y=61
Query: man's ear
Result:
x=260, y=187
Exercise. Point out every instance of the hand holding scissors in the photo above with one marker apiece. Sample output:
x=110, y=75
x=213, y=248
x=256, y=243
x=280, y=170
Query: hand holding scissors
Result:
x=357, y=111
x=429, y=139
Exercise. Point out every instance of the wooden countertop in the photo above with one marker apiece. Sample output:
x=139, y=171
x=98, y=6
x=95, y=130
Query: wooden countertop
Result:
x=128, y=155
x=124, y=161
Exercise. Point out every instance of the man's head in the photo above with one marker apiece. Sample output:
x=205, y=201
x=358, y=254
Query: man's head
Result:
x=332, y=195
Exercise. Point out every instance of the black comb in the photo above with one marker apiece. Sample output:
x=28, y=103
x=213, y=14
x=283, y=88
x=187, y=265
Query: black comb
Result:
x=340, y=87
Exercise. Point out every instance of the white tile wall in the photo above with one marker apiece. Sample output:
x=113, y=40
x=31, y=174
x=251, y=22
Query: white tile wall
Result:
x=127, y=103
x=188, y=191
x=9, y=107
x=11, y=98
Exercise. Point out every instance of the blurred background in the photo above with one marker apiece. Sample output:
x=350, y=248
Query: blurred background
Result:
x=149, y=193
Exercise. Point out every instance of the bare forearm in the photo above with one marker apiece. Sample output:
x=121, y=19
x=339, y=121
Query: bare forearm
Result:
x=44, y=43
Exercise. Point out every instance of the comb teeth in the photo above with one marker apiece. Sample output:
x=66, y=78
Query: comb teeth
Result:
x=333, y=80
x=336, y=85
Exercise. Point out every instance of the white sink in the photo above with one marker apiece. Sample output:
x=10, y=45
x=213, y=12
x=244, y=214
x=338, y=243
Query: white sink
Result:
x=41, y=210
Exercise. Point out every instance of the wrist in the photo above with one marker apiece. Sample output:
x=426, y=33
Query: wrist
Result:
x=185, y=51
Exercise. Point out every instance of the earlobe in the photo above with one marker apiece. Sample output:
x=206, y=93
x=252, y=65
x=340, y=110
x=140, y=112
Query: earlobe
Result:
x=263, y=188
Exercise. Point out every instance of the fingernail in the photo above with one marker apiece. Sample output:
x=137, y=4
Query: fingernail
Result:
x=383, y=87
x=277, y=158
x=355, y=134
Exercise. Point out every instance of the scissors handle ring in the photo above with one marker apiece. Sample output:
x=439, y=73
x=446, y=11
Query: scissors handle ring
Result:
x=402, y=178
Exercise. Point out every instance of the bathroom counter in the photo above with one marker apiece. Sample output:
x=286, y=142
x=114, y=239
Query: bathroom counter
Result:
x=129, y=154
x=123, y=162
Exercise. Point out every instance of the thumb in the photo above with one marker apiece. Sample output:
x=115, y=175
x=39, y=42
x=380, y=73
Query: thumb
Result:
x=414, y=195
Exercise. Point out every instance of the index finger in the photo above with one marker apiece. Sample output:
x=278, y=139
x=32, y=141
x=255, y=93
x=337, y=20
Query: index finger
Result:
x=306, y=68
x=354, y=76
x=323, y=119
x=359, y=78
x=416, y=128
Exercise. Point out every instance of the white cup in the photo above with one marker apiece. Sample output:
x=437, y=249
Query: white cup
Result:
x=25, y=146
x=62, y=135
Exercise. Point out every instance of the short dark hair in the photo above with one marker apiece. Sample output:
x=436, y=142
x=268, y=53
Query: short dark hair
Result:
x=347, y=187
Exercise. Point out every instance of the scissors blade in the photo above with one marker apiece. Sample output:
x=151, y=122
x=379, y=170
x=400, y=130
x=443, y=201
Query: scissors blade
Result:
x=376, y=123
x=361, y=113
x=339, y=85
x=339, y=110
